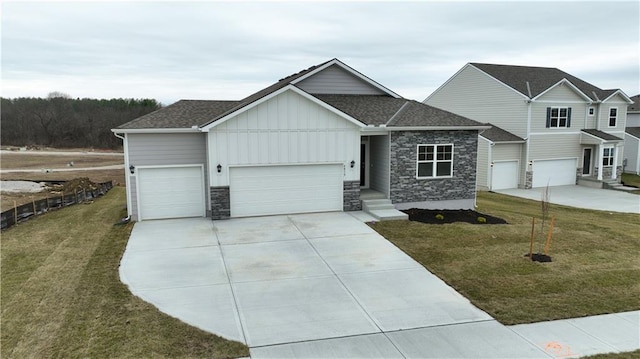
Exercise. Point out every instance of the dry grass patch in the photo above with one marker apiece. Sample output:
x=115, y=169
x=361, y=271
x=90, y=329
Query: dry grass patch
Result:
x=62, y=297
x=595, y=268
x=37, y=161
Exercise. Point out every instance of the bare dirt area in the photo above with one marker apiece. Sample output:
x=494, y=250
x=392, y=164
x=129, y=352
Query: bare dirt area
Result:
x=44, y=166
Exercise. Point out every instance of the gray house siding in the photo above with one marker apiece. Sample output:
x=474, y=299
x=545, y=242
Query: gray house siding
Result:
x=379, y=160
x=335, y=80
x=163, y=150
x=456, y=192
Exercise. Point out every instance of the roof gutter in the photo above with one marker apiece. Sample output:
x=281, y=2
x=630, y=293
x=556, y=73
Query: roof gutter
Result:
x=156, y=130
x=438, y=128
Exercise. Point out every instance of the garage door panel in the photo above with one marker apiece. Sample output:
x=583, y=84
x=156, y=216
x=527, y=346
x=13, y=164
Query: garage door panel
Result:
x=266, y=190
x=505, y=175
x=554, y=172
x=171, y=192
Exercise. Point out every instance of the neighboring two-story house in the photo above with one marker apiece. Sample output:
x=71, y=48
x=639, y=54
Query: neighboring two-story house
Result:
x=548, y=127
x=631, y=162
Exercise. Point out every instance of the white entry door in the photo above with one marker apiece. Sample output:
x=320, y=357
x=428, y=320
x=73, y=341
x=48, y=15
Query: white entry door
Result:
x=267, y=190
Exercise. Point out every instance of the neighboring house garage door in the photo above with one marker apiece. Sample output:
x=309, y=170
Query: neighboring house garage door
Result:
x=505, y=175
x=266, y=190
x=554, y=172
x=171, y=192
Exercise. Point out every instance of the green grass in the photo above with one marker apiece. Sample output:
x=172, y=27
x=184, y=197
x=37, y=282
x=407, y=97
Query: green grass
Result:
x=62, y=297
x=595, y=268
x=630, y=179
x=628, y=355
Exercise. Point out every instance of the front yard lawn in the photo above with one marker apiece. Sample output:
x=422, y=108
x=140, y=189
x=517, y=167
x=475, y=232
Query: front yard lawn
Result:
x=62, y=297
x=595, y=268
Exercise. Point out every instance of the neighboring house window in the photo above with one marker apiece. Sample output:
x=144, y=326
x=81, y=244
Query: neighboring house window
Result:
x=435, y=161
x=607, y=156
x=558, y=117
x=592, y=111
x=613, y=116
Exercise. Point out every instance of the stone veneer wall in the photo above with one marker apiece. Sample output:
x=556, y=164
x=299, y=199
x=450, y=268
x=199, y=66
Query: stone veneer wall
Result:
x=405, y=187
x=351, y=196
x=528, y=180
x=220, y=202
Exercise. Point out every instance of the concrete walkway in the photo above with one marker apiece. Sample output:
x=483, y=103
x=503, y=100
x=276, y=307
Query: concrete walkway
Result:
x=326, y=285
x=582, y=197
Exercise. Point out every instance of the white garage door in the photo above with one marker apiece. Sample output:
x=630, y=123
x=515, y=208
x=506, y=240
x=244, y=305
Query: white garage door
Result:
x=554, y=172
x=505, y=175
x=171, y=192
x=267, y=190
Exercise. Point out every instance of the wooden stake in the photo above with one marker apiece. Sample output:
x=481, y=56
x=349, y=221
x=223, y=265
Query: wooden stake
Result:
x=548, y=243
x=533, y=228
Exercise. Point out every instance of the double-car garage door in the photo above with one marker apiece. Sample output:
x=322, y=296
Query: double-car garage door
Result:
x=265, y=190
x=554, y=172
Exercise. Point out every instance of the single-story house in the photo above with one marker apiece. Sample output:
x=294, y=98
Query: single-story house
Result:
x=311, y=142
x=550, y=128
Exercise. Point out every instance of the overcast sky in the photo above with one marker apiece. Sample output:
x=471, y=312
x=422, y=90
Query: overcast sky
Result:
x=228, y=50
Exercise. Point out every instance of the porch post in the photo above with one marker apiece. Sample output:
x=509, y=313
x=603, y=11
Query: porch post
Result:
x=600, y=155
x=614, y=172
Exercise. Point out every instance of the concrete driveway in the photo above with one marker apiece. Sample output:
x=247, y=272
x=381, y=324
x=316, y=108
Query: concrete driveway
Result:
x=312, y=285
x=583, y=197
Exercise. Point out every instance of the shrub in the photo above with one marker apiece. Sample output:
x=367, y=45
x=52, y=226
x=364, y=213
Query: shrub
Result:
x=440, y=216
x=482, y=220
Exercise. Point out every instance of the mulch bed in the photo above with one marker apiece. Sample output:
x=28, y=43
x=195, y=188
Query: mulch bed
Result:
x=451, y=216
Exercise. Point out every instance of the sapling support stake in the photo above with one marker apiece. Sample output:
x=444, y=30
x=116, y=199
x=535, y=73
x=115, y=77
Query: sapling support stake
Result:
x=548, y=243
x=533, y=228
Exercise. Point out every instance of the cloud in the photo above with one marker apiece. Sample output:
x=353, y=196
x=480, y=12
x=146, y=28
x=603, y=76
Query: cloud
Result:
x=227, y=50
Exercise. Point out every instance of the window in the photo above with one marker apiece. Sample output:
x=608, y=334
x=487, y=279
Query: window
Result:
x=607, y=156
x=592, y=111
x=613, y=116
x=435, y=161
x=558, y=117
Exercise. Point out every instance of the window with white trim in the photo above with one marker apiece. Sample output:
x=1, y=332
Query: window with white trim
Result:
x=558, y=117
x=435, y=161
x=613, y=116
x=607, y=156
x=592, y=111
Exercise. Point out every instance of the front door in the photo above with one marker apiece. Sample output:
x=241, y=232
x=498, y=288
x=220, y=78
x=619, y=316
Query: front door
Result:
x=363, y=164
x=586, y=161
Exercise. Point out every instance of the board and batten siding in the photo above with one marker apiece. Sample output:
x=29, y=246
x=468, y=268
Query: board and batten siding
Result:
x=166, y=149
x=554, y=146
x=476, y=95
x=286, y=129
x=336, y=80
x=482, y=170
x=379, y=164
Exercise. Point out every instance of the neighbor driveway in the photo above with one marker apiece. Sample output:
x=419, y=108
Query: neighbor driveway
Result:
x=582, y=197
x=306, y=286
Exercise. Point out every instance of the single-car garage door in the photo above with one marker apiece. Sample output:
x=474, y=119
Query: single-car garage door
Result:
x=554, y=172
x=171, y=192
x=504, y=175
x=266, y=190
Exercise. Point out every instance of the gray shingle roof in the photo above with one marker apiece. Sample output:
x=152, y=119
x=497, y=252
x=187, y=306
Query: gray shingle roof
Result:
x=394, y=112
x=182, y=114
x=603, y=135
x=635, y=106
x=633, y=131
x=496, y=134
x=539, y=78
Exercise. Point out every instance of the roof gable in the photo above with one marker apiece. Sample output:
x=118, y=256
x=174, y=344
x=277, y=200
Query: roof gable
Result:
x=533, y=81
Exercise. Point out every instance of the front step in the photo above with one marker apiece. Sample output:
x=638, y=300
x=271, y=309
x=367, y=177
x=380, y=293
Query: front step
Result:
x=605, y=184
x=382, y=210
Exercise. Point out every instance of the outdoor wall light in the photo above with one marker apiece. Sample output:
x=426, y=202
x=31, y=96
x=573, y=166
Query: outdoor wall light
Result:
x=219, y=168
x=353, y=163
x=131, y=169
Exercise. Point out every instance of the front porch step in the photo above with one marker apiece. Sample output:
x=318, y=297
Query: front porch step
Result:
x=611, y=184
x=382, y=210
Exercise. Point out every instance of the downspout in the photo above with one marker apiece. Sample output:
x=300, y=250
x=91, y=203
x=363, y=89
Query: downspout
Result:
x=127, y=179
x=528, y=138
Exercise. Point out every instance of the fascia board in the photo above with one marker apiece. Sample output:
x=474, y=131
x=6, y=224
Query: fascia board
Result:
x=438, y=128
x=351, y=71
x=293, y=88
x=155, y=130
x=564, y=81
x=501, y=83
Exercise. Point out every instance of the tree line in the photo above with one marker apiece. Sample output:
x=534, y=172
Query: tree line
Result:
x=62, y=122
